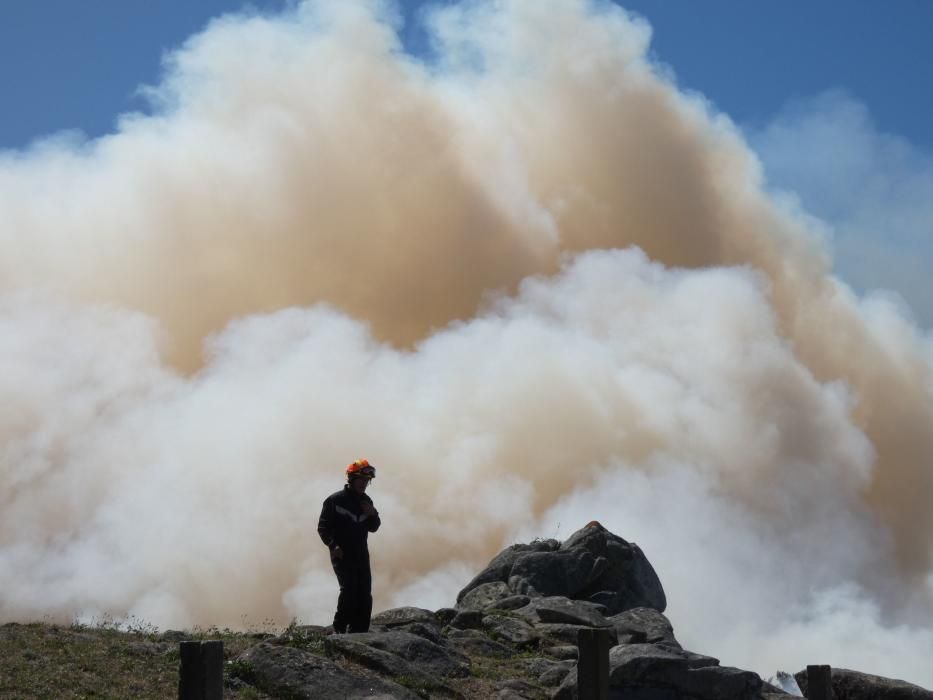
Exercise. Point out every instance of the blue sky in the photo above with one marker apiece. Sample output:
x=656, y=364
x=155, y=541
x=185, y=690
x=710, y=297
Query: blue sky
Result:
x=752, y=57
x=834, y=97
x=76, y=65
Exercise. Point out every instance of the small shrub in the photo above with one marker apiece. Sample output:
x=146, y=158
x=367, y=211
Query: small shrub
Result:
x=414, y=684
x=241, y=670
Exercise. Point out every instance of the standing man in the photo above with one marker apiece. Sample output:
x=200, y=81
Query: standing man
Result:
x=347, y=518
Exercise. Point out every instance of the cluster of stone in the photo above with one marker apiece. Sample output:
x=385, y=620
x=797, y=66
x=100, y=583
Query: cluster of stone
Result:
x=521, y=616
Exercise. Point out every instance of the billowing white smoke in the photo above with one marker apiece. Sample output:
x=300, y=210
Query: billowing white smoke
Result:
x=874, y=188
x=533, y=283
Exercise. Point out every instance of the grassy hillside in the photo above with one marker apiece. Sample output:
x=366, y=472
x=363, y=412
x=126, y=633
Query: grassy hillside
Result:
x=40, y=660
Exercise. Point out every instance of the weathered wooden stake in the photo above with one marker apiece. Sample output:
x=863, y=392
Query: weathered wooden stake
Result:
x=819, y=683
x=201, y=675
x=189, y=674
x=593, y=664
x=212, y=661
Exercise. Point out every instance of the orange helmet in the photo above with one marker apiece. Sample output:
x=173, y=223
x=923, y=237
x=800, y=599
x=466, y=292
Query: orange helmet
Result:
x=361, y=468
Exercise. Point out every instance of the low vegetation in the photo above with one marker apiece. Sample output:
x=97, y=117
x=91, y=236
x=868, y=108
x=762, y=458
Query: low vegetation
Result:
x=106, y=660
x=103, y=660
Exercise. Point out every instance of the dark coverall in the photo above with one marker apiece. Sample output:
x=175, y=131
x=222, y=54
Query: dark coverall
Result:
x=343, y=524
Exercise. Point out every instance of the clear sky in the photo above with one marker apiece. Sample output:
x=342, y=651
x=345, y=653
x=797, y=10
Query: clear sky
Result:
x=810, y=83
x=751, y=57
x=76, y=65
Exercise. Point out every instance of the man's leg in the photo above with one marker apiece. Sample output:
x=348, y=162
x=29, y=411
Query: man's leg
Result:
x=363, y=604
x=348, y=579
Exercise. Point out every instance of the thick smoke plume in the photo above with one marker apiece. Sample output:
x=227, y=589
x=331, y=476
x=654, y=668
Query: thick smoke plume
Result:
x=530, y=280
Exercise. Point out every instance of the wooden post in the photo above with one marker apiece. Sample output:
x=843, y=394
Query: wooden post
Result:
x=212, y=661
x=190, y=679
x=593, y=664
x=201, y=675
x=819, y=683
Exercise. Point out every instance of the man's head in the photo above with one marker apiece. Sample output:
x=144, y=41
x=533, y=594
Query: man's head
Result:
x=359, y=474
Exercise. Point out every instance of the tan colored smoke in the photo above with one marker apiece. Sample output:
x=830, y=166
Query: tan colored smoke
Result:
x=429, y=265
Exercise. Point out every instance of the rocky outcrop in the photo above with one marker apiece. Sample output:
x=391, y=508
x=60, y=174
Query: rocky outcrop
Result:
x=513, y=635
x=424, y=667
x=432, y=659
x=593, y=564
x=283, y=671
x=852, y=685
x=501, y=565
x=653, y=670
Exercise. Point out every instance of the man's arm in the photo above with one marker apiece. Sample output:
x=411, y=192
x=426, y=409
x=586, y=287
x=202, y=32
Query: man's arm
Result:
x=372, y=516
x=325, y=524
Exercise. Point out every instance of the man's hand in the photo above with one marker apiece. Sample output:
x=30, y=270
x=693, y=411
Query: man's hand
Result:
x=336, y=553
x=368, y=510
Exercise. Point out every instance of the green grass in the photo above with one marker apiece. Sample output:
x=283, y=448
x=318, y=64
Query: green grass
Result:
x=295, y=636
x=39, y=660
x=109, y=660
x=415, y=685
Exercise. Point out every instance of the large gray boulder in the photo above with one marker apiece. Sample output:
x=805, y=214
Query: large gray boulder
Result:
x=564, y=572
x=853, y=685
x=628, y=581
x=592, y=564
x=561, y=610
x=283, y=671
x=498, y=569
x=429, y=658
x=396, y=617
x=511, y=630
x=419, y=621
x=693, y=675
x=568, y=634
x=485, y=595
x=432, y=633
x=643, y=625
x=563, y=652
x=654, y=671
x=468, y=619
x=384, y=662
x=513, y=602
x=630, y=663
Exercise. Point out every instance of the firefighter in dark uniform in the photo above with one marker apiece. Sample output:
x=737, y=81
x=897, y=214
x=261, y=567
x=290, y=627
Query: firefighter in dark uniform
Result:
x=347, y=518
